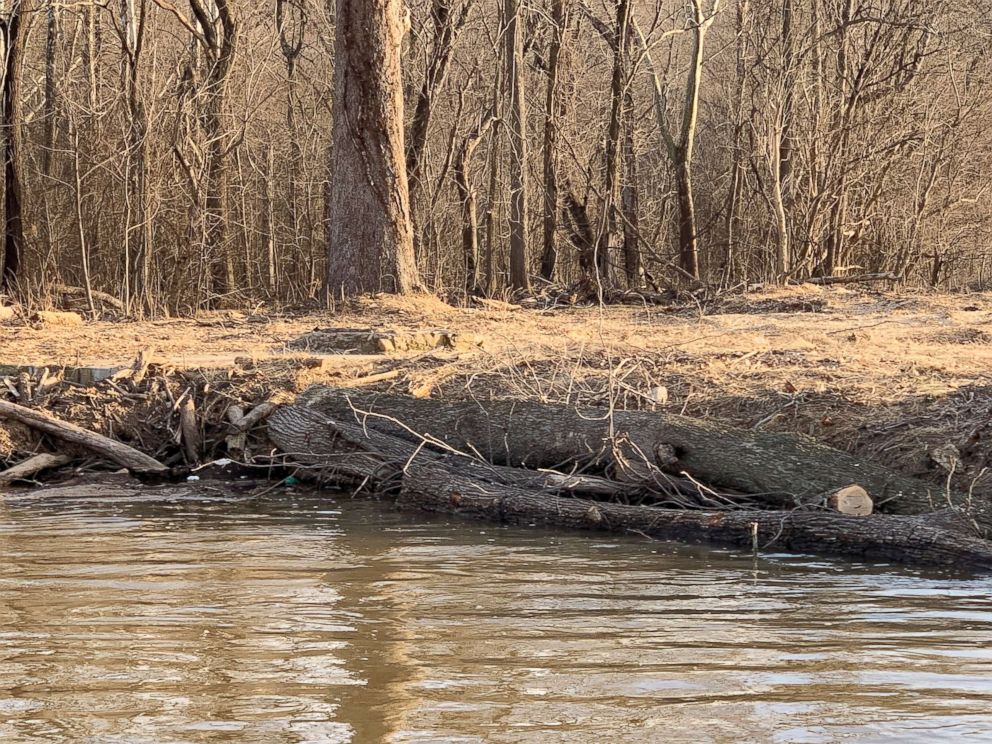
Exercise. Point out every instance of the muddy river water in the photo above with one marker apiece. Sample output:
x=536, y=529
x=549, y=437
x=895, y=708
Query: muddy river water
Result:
x=298, y=619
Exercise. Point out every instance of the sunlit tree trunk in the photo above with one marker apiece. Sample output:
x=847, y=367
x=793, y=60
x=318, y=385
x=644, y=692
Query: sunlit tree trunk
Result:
x=517, y=136
x=10, y=37
x=554, y=113
x=370, y=235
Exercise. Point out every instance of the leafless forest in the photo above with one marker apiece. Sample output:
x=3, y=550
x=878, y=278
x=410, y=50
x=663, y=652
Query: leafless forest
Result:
x=177, y=154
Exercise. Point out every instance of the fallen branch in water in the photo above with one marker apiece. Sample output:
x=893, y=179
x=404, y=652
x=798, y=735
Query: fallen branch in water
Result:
x=107, y=448
x=347, y=453
x=535, y=435
x=32, y=466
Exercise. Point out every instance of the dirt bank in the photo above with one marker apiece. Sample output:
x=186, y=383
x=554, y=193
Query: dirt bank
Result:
x=904, y=379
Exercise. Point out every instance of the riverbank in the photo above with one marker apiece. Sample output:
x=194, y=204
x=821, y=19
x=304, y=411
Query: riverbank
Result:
x=902, y=379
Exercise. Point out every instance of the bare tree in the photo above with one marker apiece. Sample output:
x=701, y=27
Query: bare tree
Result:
x=554, y=114
x=680, y=143
x=470, y=209
x=10, y=37
x=369, y=232
x=517, y=136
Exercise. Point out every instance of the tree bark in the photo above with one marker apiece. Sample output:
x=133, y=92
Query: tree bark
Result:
x=137, y=227
x=470, y=207
x=629, y=203
x=369, y=230
x=517, y=137
x=554, y=113
x=32, y=466
x=117, y=452
x=618, y=87
x=343, y=452
x=10, y=31
x=910, y=540
x=522, y=433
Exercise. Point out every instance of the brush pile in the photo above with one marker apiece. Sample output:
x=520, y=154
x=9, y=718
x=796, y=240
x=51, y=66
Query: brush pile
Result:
x=657, y=475
x=648, y=473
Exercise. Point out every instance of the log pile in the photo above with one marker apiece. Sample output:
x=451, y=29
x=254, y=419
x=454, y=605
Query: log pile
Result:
x=526, y=463
x=655, y=475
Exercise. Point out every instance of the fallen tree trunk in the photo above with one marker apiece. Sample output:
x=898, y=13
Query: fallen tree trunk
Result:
x=117, y=452
x=827, y=281
x=910, y=540
x=32, y=466
x=344, y=452
x=533, y=435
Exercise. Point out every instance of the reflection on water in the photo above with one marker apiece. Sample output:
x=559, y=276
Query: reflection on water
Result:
x=311, y=620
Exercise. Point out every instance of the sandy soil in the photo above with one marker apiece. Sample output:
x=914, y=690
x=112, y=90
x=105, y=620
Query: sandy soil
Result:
x=905, y=378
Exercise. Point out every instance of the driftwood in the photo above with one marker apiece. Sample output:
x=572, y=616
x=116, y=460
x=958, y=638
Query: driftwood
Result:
x=189, y=431
x=910, y=540
x=117, y=452
x=533, y=435
x=242, y=422
x=346, y=453
x=32, y=466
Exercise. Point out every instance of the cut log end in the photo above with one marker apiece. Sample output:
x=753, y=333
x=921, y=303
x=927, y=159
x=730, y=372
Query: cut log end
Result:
x=851, y=500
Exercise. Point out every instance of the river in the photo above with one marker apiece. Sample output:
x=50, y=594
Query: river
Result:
x=303, y=619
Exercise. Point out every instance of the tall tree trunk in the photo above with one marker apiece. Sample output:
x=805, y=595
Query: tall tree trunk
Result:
x=517, y=136
x=92, y=54
x=736, y=189
x=554, y=112
x=681, y=142
x=292, y=26
x=688, y=235
x=618, y=87
x=137, y=227
x=786, y=146
x=51, y=86
x=370, y=235
x=218, y=28
x=629, y=206
x=688, y=243
x=10, y=28
x=470, y=209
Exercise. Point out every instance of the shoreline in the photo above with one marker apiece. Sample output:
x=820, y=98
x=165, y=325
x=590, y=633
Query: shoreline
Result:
x=903, y=379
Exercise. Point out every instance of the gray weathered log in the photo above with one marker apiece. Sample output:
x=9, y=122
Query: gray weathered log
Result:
x=909, y=540
x=117, y=452
x=533, y=435
x=345, y=452
x=32, y=466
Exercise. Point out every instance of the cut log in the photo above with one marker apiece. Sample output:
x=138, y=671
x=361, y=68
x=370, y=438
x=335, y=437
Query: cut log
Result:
x=242, y=422
x=908, y=540
x=851, y=500
x=117, y=452
x=344, y=452
x=533, y=435
x=189, y=430
x=32, y=466
x=136, y=372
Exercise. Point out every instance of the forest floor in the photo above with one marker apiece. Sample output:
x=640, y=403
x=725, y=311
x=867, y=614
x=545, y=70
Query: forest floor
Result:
x=903, y=378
